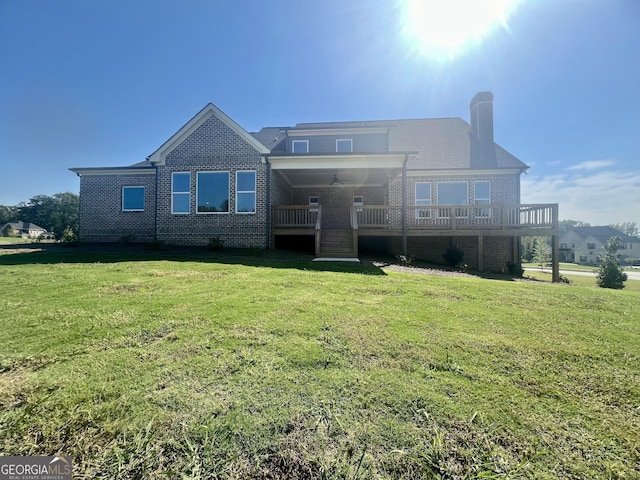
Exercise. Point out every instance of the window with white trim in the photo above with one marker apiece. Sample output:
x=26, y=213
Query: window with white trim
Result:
x=212, y=192
x=133, y=199
x=344, y=145
x=181, y=193
x=453, y=193
x=314, y=201
x=246, y=191
x=423, y=197
x=300, y=146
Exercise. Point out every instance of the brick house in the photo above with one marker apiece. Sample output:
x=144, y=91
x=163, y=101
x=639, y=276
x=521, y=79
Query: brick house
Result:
x=413, y=186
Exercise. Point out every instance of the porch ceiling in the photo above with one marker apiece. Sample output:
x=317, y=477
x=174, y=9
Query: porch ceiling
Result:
x=350, y=170
x=346, y=177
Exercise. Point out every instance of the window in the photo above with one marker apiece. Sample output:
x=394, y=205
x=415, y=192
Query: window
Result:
x=482, y=196
x=423, y=197
x=246, y=192
x=453, y=193
x=180, y=192
x=358, y=201
x=344, y=145
x=314, y=201
x=212, y=192
x=583, y=258
x=132, y=199
x=591, y=246
x=300, y=146
x=563, y=246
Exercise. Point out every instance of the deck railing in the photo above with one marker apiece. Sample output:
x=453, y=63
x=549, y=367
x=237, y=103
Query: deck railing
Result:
x=456, y=217
x=297, y=216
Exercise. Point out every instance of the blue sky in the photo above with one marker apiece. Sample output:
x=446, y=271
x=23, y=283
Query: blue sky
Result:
x=105, y=82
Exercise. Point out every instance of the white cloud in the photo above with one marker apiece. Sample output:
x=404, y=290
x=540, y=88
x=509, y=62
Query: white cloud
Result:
x=599, y=198
x=592, y=165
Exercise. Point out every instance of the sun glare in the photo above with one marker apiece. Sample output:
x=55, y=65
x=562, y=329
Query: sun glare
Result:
x=442, y=28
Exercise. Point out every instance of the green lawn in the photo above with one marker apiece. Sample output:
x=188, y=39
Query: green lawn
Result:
x=194, y=364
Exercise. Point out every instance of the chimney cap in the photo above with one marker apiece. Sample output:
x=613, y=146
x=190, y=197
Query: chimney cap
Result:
x=481, y=97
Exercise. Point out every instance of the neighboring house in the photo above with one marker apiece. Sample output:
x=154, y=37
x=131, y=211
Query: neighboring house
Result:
x=23, y=230
x=412, y=187
x=583, y=245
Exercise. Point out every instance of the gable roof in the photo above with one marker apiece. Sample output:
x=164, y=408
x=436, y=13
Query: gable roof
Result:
x=23, y=226
x=192, y=125
x=603, y=233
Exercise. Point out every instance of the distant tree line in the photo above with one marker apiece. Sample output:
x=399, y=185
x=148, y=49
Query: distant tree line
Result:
x=55, y=213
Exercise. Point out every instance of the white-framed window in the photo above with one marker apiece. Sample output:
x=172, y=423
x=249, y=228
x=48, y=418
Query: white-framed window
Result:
x=212, y=192
x=133, y=199
x=314, y=202
x=453, y=193
x=423, y=197
x=482, y=196
x=246, y=191
x=344, y=145
x=300, y=146
x=358, y=201
x=181, y=193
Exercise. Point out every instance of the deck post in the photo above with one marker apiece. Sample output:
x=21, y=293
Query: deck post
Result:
x=404, y=205
x=480, y=249
x=555, y=258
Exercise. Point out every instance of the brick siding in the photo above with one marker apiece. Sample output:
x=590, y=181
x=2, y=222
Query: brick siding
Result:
x=101, y=215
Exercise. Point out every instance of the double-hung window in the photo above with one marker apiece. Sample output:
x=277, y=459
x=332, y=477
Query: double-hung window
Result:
x=132, y=199
x=212, y=192
x=180, y=192
x=423, y=197
x=453, y=193
x=482, y=196
x=246, y=191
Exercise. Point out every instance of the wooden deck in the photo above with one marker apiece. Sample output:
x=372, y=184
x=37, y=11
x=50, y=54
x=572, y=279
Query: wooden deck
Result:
x=439, y=220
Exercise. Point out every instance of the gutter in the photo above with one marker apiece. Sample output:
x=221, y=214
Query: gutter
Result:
x=404, y=204
x=267, y=241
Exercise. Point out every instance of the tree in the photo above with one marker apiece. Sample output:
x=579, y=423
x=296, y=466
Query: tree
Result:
x=7, y=214
x=542, y=253
x=610, y=274
x=528, y=246
x=54, y=213
x=629, y=228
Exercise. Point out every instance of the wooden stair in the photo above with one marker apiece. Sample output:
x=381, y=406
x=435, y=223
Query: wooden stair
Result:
x=337, y=243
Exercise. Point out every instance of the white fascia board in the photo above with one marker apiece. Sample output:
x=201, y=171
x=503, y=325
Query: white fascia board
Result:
x=192, y=125
x=462, y=172
x=313, y=162
x=311, y=132
x=113, y=171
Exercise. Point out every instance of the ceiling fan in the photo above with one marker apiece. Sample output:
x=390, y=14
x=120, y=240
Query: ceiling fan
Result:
x=337, y=180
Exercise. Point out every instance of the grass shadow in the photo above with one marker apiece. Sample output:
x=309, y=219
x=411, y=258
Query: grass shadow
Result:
x=49, y=254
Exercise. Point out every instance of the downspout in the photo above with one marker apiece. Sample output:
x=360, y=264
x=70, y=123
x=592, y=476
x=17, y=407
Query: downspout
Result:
x=155, y=207
x=404, y=205
x=268, y=203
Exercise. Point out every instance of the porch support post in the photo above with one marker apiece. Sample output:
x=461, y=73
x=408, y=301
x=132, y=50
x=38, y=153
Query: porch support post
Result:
x=516, y=250
x=555, y=258
x=404, y=205
x=480, y=249
x=269, y=238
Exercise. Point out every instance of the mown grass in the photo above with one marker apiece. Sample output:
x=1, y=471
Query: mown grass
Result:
x=200, y=365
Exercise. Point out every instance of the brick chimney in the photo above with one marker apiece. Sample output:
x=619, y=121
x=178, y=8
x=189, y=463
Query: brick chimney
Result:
x=483, y=151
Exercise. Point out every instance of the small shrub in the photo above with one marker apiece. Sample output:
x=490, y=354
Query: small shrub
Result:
x=453, y=256
x=515, y=269
x=69, y=237
x=215, y=244
x=610, y=274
